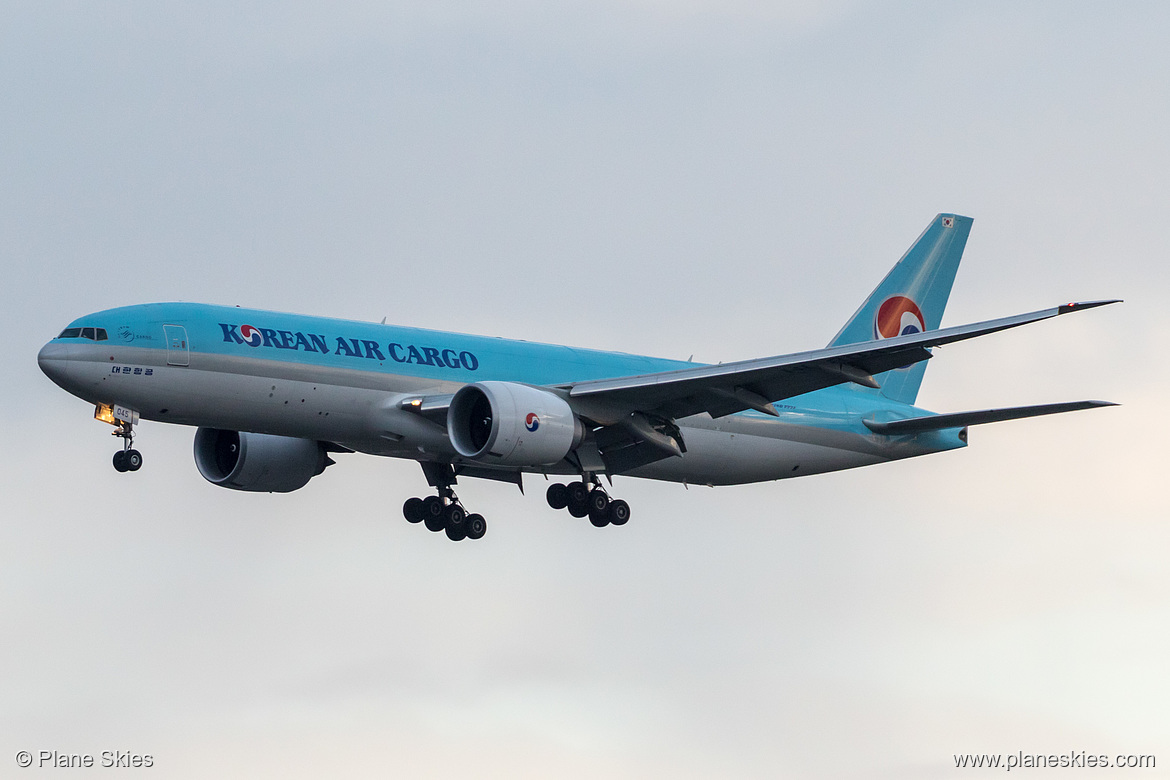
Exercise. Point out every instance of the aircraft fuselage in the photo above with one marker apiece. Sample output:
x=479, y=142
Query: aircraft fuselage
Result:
x=342, y=381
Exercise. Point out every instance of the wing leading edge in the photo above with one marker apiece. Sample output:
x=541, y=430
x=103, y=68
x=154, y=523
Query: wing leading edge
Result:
x=728, y=388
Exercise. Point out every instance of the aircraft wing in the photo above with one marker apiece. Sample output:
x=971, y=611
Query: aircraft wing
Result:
x=636, y=413
x=753, y=384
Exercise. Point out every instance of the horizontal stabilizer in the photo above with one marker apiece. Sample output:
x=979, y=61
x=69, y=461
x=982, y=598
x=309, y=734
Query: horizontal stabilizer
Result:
x=936, y=422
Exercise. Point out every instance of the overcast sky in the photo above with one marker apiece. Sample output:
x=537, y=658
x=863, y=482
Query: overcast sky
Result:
x=727, y=180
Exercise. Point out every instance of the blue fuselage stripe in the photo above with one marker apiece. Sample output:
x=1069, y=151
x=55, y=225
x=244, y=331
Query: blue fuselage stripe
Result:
x=426, y=354
x=432, y=357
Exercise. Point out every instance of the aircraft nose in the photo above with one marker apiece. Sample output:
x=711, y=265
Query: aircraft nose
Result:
x=53, y=360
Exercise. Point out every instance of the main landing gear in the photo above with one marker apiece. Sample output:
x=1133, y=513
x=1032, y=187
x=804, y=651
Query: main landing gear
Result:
x=444, y=512
x=127, y=458
x=585, y=500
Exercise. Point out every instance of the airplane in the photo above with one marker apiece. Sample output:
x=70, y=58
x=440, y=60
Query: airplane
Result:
x=273, y=396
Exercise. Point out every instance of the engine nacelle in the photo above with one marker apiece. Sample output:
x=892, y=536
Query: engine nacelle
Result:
x=257, y=462
x=509, y=424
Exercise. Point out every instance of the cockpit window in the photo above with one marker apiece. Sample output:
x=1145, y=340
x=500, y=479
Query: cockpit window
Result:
x=93, y=334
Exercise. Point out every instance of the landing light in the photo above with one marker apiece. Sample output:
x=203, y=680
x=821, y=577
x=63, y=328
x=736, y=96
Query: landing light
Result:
x=115, y=415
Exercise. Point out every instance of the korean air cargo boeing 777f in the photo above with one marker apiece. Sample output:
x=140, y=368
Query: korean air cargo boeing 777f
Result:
x=273, y=396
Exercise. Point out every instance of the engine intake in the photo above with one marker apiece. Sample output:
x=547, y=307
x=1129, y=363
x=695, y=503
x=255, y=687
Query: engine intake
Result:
x=257, y=462
x=509, y=424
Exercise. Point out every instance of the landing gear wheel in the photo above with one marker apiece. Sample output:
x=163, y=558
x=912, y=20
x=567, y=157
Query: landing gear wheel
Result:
x=578, y=510
x=599, y=520
x=578, y=493
x=412, y=510
x=133, y=460
x=120, y=461
x=598, y=502
x=557, y=495
x=457, y=533
x=432, y=512
x=476, y=526
x=453, y=517
x=619, y=512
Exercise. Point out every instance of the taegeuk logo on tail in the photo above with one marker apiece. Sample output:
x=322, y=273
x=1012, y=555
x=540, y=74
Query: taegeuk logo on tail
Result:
x=898, y=316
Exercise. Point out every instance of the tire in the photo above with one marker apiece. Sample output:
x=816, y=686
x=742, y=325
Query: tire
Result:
x=578, y=492
x=453, y=517
x=412, y=510
x=476, y=526
x=619, y=512
x=432, y=511
x=598, y=502
x=457, y=533
x=578, y=510
x=598, y=505
x=557, y=495
x=120, y=461
x=133, y=460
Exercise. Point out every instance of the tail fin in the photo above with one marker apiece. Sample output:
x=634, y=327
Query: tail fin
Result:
x=911, y=299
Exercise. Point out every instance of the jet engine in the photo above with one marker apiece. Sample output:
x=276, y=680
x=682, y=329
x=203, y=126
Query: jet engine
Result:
x=257, y=462
x=510, y=424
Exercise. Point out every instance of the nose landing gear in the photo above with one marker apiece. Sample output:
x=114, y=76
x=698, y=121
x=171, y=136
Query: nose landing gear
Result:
x=584, y=501
x=127, y=458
